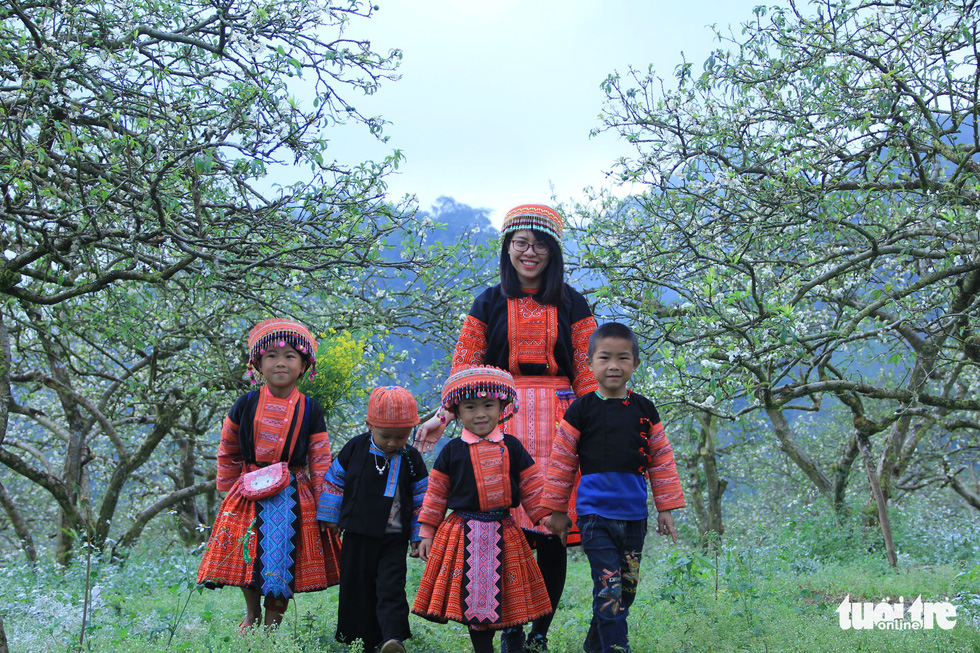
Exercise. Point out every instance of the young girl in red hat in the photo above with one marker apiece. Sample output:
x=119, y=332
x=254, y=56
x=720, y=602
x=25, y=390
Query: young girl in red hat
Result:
x=480, y=570
x=271, y=546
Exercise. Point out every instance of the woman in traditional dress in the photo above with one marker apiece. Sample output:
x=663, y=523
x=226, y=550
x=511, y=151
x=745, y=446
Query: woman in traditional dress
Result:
x=272, y=547
x=537, y=327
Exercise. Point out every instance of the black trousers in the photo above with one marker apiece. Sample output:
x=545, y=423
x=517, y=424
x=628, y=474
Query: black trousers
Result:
x=372, y=603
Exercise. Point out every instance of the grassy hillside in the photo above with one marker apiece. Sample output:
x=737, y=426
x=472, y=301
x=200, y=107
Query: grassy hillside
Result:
x=771, y=587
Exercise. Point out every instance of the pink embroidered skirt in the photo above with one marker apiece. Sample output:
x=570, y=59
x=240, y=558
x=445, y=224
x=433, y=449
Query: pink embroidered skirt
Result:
x=481, y=573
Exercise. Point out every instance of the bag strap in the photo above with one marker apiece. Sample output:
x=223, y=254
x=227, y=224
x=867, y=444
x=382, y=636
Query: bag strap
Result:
x=300, y=422
x=292, y=437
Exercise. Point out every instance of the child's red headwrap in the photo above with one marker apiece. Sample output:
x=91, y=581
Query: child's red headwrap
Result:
x=392, y=405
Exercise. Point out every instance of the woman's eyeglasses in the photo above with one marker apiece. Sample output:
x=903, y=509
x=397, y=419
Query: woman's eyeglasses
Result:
x=521, y=245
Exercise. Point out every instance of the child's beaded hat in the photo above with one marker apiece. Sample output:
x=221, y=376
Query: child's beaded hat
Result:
x=392, y=406
x=533, y=216
x=276, y=332
x=478, y=382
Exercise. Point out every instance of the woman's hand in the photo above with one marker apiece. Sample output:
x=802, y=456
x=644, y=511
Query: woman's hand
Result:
x=429, y=432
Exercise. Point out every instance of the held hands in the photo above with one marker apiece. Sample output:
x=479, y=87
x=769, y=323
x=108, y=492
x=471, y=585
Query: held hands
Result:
x=559, y=523
x=424, y=547
x=329, y=526
x=414, y=553
x=429, y=433
x=665, y=524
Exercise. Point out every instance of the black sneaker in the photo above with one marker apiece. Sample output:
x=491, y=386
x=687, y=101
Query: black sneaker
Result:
x=512, y=640
x=536, y=643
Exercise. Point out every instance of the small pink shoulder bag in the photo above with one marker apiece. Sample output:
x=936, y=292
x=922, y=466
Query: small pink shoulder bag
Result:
x=265, y=481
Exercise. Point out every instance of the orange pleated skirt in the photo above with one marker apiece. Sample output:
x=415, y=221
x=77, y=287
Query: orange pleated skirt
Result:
x=483, y=574
x=235, y=541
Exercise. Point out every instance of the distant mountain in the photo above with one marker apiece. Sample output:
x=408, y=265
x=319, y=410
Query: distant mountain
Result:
x=461, y=221
x=460, y=217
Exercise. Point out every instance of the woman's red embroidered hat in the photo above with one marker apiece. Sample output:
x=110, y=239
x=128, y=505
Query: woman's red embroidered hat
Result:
x=277, y=332
x=480, y=382
x=534, y=216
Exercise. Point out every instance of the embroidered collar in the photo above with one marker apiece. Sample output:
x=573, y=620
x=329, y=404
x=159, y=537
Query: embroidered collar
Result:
x=625, y=400
x=373, y=448
x=269, y=395
x=495, y=435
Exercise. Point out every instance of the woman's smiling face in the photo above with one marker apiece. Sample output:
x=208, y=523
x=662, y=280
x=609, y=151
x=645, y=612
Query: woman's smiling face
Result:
x=529, y=264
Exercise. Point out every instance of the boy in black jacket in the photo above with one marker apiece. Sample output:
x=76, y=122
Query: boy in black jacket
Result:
x=373, y=492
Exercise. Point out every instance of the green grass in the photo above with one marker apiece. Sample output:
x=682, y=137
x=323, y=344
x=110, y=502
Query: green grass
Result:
x=752, y=596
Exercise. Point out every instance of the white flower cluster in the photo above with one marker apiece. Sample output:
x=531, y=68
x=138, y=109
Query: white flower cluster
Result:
x=736, y=355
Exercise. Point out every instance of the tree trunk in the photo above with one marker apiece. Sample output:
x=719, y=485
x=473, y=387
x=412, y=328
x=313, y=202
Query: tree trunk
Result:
x=694, y=495
x=842, y=473
x=703, y=469
x=902, y=445
x=4, y=380
x=879, y=497
x=72, y=476
x=864, y=428
x=144, y=517
x=709, y=462
x=4, y=416
x=20, y=526
x=211, y=499
x=166, y=415
x=188, y=515
x=9, y=506
x=788, y=445
x=971, y=497
x=888, y=462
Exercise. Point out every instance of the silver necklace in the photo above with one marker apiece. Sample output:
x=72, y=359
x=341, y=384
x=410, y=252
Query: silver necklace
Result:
x=381, y=469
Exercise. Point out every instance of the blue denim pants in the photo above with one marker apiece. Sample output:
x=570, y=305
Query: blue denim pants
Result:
x=614, y=548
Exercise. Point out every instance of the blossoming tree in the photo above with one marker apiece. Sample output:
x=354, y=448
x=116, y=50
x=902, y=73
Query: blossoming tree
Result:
x=169, y=159
x=805, y=230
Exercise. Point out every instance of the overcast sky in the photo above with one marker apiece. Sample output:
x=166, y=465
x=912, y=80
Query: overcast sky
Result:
x=497, y=97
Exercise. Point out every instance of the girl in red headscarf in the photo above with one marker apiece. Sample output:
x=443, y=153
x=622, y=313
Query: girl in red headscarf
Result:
x=272, y=546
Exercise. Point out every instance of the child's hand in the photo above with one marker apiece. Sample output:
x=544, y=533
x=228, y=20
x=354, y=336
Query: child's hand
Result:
x=329, y=526
x=414, y=553
x=559, y=523
x=665, y=524
x=424, y=547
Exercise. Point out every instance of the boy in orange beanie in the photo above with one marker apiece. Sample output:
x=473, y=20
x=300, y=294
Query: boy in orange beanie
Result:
x=373, y=492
